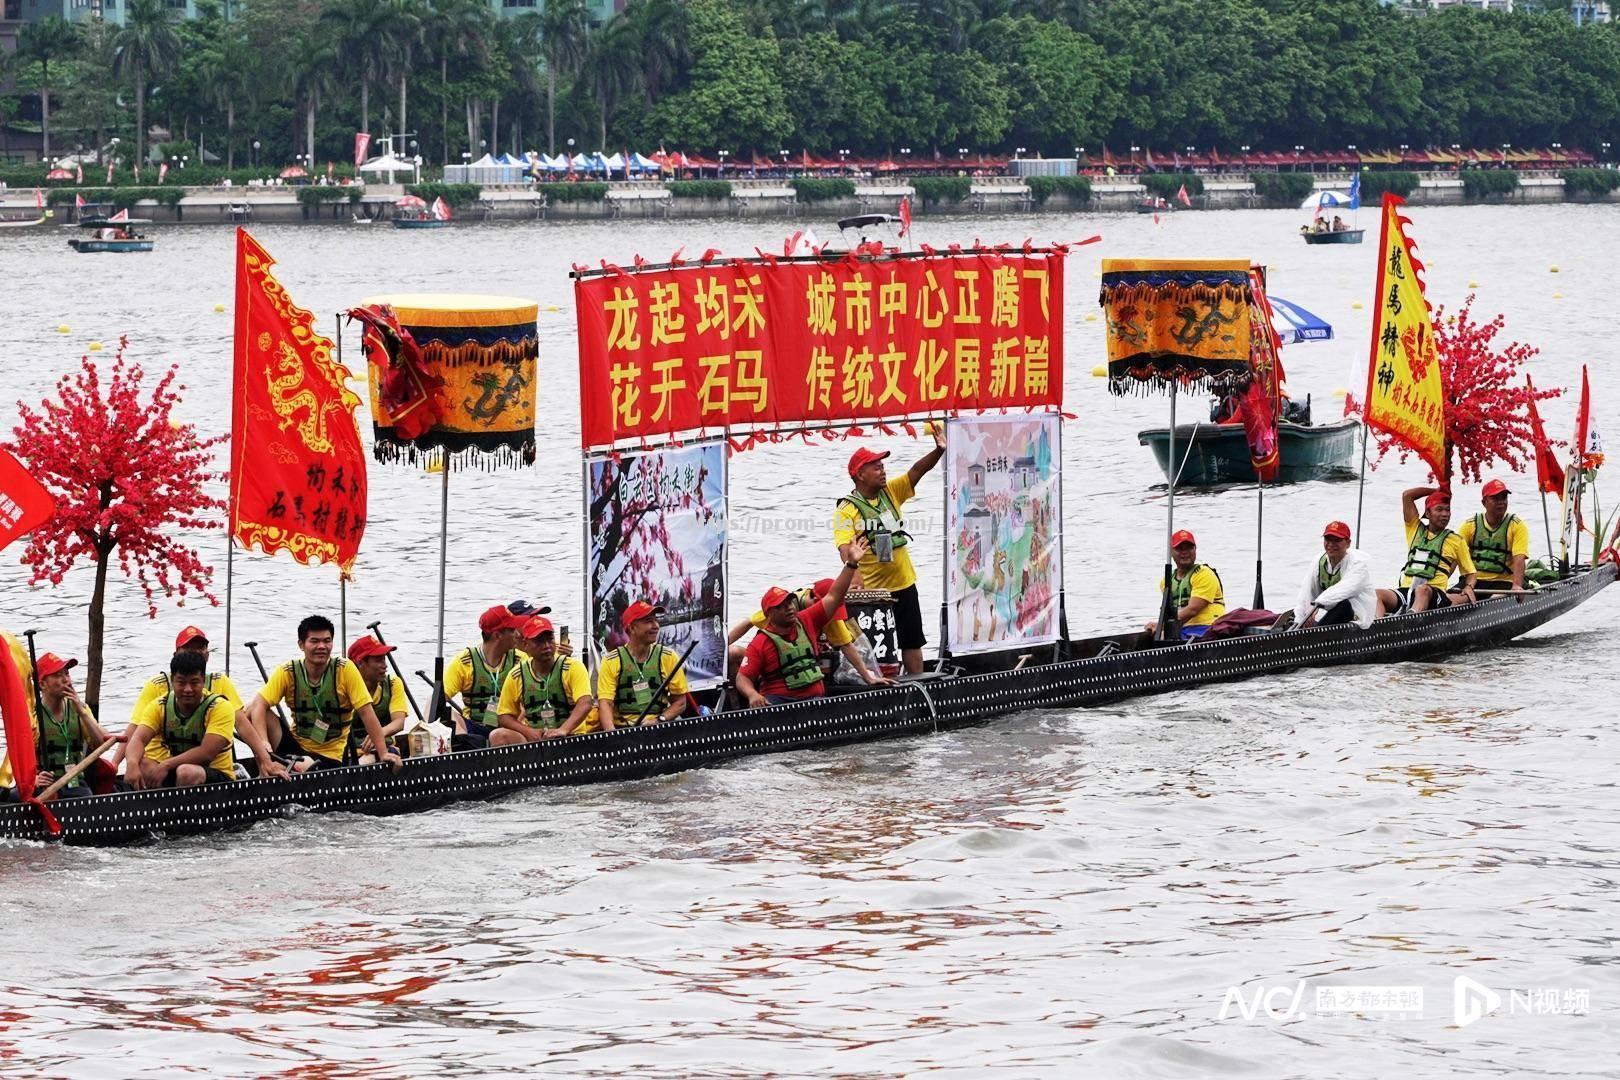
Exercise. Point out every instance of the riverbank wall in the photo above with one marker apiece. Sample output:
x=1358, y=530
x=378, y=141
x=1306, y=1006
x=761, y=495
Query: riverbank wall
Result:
x=758, y=198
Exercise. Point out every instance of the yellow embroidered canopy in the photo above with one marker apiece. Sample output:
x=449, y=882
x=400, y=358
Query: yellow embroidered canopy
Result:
x=1183, y=320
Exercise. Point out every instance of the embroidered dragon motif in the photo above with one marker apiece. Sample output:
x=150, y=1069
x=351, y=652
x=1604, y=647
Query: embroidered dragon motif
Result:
x=288, y=404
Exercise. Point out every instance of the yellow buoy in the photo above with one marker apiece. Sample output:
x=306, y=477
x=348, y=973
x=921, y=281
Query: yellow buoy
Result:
x=218, y=308
x=1100, y=370
x=1558, y=296
x=1356, y=306
x=1552, y=269
x=1473, y=284
x=435, y=466
x=95, y=346
x=64, y=329
x=1340, y=392
x=1091, y=318
x=553, y=307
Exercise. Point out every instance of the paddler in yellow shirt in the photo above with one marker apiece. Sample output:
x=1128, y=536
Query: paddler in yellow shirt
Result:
x=872, y=510
x=547, y=695
x=192, y=639
x=1434, y=553
x=183, y=738
x=326, y=694
x=1195, y=589
x=478, y=672
x=388, y=698
x=1498, y=542
x=627, y=683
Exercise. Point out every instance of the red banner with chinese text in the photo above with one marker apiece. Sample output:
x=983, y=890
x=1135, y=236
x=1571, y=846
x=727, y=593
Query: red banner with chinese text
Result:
x=785, y=344
x=298, y=473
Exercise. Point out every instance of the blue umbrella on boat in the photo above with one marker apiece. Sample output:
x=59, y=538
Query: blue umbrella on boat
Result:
x=1293, y=323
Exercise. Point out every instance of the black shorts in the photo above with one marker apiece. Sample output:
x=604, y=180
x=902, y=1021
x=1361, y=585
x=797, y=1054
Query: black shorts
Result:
x=908, y=620
x=289, y=749
x=1437, y=597
x=211, y=776
x=1338, y=614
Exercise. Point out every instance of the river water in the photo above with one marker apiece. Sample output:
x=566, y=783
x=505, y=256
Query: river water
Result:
x=1056, y=890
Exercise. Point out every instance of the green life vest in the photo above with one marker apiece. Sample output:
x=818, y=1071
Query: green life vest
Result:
x=61, y=738
x=629, y=701
x=485, y=691
x=317, y=710
x=1426, y=559
x=879, y=517
x=1325, y=580
x=1490, y=549
x=381, y=704
x=182, y=733
x=1181, y=587
x=795, y=660
x=545, y=702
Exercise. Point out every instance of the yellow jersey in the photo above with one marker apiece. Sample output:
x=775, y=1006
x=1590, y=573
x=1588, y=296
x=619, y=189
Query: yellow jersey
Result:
x=351, y=692
x=1453, y=551
x=1205, y=585
x=576, y=683
x=1518, y=542
x=221, y=721
x=894, y=575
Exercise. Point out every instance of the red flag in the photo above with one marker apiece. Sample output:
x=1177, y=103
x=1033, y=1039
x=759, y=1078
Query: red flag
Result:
x=122, y=215
x=298, y=473
x=78, y=202
x=362, y=142
x=110, y=166
x=78, y=172
x=1549, y=474
x=163, y=171
x=1182, y=196
x=1583, y=422
x=39, y=198
x=24, y=502
x=905, y=215
x=441, y=209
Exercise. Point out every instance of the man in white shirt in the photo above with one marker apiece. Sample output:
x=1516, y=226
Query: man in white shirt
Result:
x=1339, y=588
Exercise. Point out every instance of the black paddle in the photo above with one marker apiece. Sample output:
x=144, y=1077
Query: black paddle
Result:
x=376, y=628
x=659, y=692
x=253, y=647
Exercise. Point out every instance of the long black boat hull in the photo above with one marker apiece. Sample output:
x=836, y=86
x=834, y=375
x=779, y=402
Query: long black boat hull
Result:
x=1097, y=676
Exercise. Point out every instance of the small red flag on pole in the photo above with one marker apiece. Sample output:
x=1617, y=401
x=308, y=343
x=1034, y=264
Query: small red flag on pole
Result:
x=24, y=502
x=1183, y=197
x=905, y=215
x=1549, y=474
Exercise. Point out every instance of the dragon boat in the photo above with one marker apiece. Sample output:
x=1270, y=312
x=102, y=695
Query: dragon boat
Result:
x=969, y=690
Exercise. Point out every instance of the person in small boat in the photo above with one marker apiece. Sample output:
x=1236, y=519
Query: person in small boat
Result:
x=184, y=737
x=627, y=683
x=1498, y=542
x=478, y=672
x=192, y=639
x=370, y=658
x=326, y=696
x=783, y=658
x=67, y=729
x=1339, y=588
x=547, y=695
x=1195, y=589
x=1338, y=224
x=1434, y=552
x=872, y=510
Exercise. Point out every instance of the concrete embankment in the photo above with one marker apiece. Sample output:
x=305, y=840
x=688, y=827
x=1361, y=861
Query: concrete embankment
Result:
x=751, y=198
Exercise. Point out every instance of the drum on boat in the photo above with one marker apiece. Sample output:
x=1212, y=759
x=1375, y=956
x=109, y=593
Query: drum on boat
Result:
x=873, y=612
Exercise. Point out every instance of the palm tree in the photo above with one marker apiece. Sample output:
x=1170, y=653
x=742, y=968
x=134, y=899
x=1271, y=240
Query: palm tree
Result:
x=565, y=30
x=613, y=67
x=361, y=29
x=52, y=38
x=313, y=76
x=146, y=47
x=401, y=29
x=666, y=53
x=458, y=29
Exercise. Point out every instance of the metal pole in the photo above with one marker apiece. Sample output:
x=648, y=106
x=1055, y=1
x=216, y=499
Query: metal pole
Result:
x=444, y=532
x=376, y=629
x=230, y=559
x=1546, y=520
x=1361, y=485
x=1168, y=630
x=343, y=609
x=1259, y=541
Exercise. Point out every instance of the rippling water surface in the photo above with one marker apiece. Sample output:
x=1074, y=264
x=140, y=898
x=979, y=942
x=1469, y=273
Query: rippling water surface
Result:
x=1052, y=892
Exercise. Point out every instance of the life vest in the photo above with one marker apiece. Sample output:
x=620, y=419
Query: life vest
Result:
x=485, y=690
x=1325, y=580
x=1426, y=559
x=317, y=710
x=630, y=702
x=182, y=733
x=879, y=517
x=1490, y=549
x=545, y=701
x=61, y=738
x=1181, y=587
x=381, y=700
x=796, y=661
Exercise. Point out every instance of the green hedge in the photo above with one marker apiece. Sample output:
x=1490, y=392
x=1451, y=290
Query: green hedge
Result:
x=1395, y=181
x=194, y=175
x=1042, y=188
x=1165, y=185
x=312, y=196
x=933, y=190
x=812, y=189
x=592, y=191
x=1590, y=181
x=1480, y=183
x=700, y=189
x=1284, y=189
x=121, y=197
x=454, y=194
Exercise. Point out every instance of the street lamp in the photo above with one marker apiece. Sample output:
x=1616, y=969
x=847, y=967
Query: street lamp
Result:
x=255, y=152
x=961, y=153
x=1018, y=152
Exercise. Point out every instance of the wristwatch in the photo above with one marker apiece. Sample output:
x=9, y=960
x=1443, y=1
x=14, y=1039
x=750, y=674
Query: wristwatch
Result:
x=852, y=566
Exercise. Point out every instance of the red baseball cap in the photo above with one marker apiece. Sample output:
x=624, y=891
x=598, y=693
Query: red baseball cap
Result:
x=50, y=664
x=500, y=618
x=1436, y=499
x=863, y=457
x=535, y=625
x=1338, y=530
x=188, y=635
x=1182, y=536
x=1495, y=487
x=368, y=646
x=775, y=596
x=638, y=611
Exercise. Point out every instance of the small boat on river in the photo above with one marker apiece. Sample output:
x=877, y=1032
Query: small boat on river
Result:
x=971, y=689
x=415, y=213
x=1331, y=236
x=1211, y=455
x=114, y=235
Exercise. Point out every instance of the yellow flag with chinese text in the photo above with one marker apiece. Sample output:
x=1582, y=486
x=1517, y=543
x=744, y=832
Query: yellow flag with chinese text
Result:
x=1405, y=391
